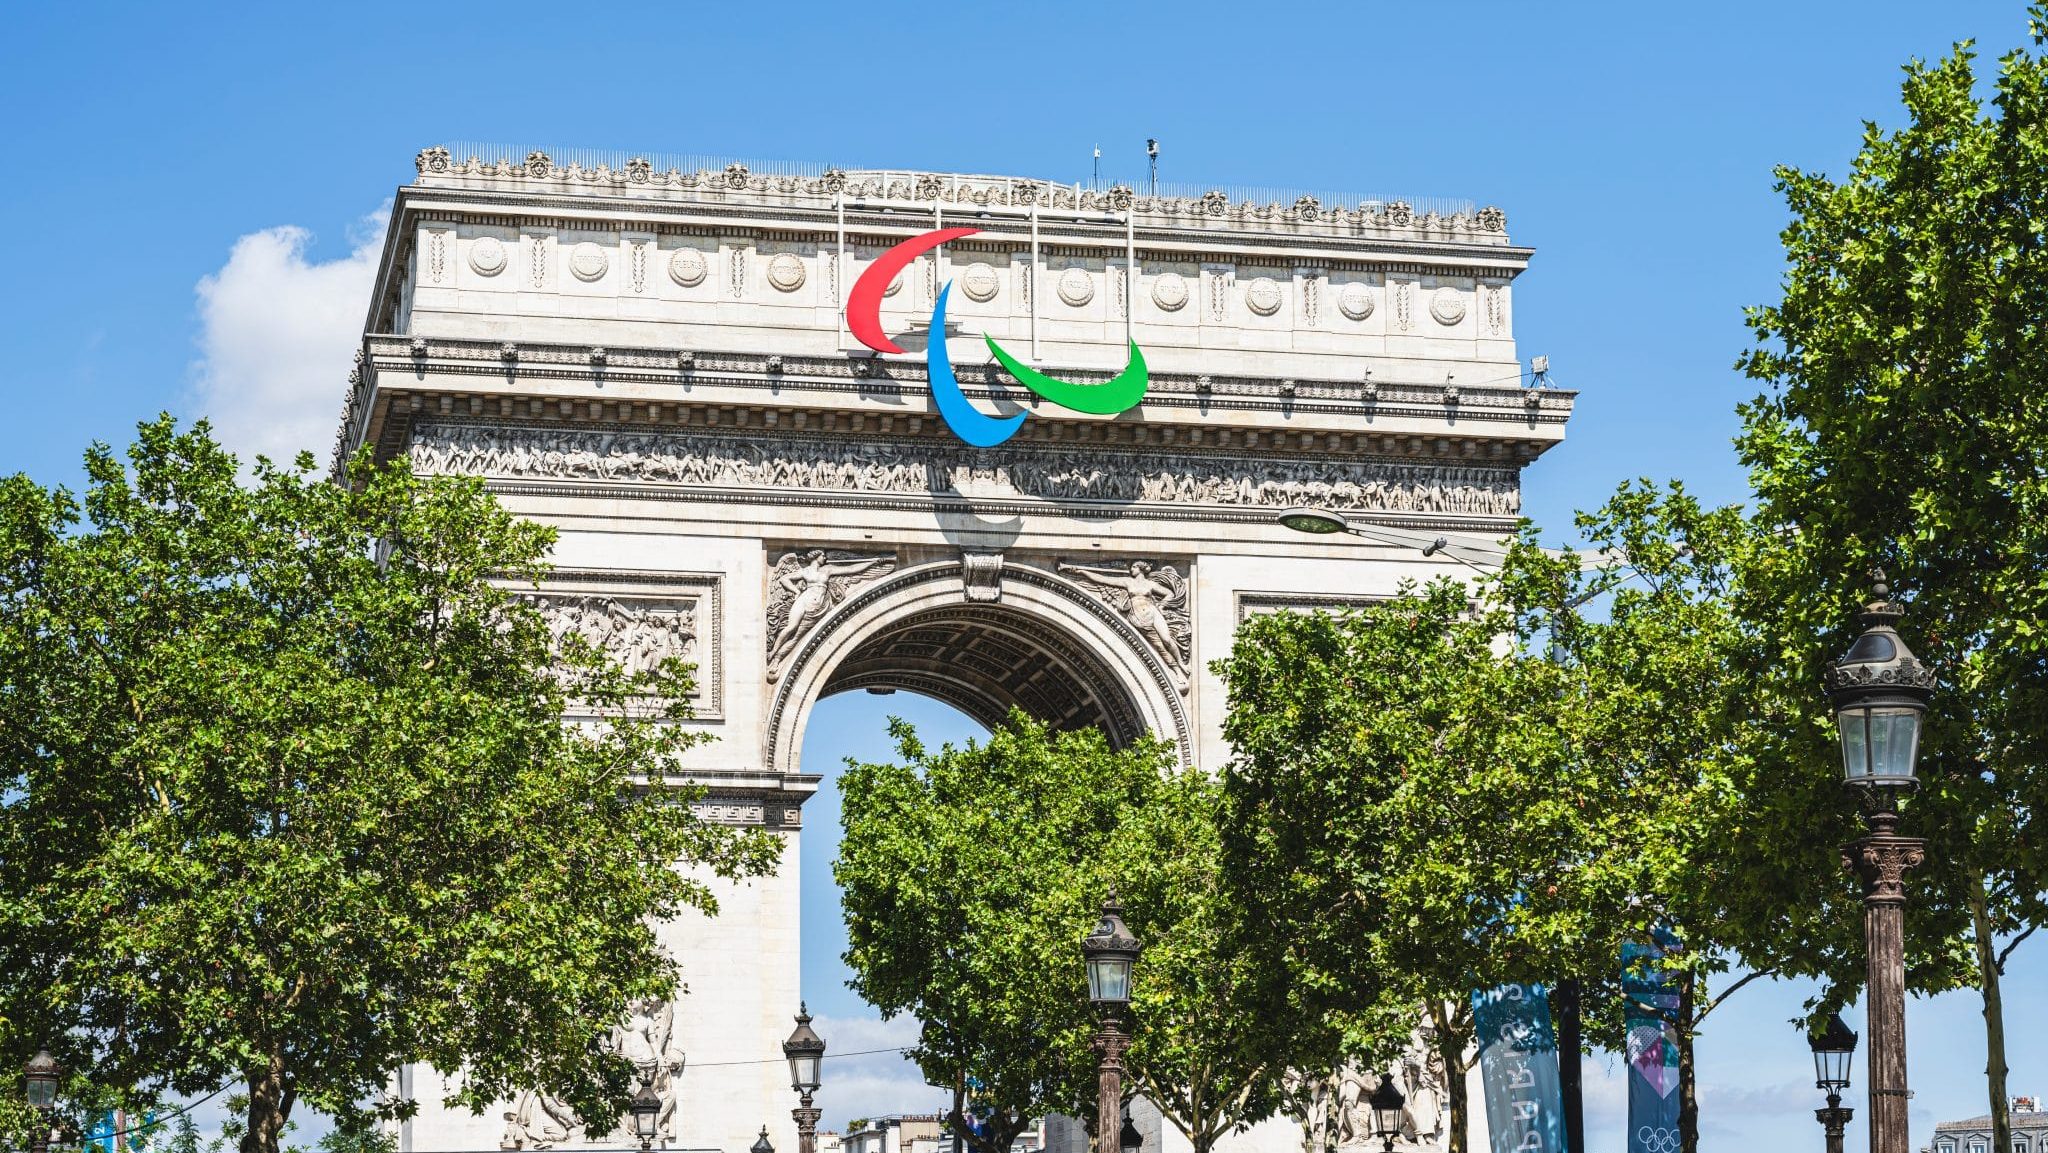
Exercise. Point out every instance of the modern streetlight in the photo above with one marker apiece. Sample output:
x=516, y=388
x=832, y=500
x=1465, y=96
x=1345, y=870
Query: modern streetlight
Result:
x=1879, y=691
x=1110, y=951
x=646, y=1113
x=39, y=1084
x=1833, y=1048
x=761, y=1144
x=805, y=1050
x=1387, y=1102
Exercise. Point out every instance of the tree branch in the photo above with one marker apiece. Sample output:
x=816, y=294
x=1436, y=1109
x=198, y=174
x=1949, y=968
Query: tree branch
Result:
x=2013, y=944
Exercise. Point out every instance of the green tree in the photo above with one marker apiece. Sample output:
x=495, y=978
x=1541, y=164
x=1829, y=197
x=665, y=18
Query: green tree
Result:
x=1903, y=425
x=1396, y=790
x=289, y=798
x=970, y=875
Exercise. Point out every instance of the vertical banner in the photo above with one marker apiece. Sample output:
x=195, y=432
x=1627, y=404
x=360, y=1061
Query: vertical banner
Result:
x=1651, y=1001
x=1518, y=1064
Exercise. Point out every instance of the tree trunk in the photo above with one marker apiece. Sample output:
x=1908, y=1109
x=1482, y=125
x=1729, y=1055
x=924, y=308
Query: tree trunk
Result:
x=270, y=1107
x=1450, y=1048
x=1688, y=1086
x=1994, y=1016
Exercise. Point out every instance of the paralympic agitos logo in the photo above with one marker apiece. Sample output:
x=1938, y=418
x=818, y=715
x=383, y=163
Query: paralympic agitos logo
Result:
x=864, y=318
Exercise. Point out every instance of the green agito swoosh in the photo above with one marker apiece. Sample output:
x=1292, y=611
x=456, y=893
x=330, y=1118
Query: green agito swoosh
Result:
x=1112, y=396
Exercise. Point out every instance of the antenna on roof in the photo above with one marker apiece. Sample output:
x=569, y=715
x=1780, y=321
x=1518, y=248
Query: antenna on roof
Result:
x=1095, y=180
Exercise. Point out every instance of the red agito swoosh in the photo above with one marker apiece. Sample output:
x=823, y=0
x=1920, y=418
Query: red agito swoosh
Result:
x=864, y=303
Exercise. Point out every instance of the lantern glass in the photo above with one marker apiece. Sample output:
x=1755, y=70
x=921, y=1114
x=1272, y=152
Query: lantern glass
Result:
x=1109, y=980
x=39, y=1081
x=803, y=1073
x=1387, y=1103
x=646, y=1112
x=1880, y=743
x=1833, y=1051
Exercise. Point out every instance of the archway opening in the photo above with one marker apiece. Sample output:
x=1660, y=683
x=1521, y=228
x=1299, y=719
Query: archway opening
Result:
x=954, y=671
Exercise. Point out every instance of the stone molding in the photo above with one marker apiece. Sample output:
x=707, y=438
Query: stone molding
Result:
x=636, y=177
x=1251, y=604
x=806, y=463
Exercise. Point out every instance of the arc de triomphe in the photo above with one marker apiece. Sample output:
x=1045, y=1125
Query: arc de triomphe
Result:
x=654, y=358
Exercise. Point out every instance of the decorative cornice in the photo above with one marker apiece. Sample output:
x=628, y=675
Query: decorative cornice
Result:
x=637, y=176
x=865, y=374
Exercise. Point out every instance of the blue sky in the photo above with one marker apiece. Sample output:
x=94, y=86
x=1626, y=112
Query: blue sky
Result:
x=191, y=188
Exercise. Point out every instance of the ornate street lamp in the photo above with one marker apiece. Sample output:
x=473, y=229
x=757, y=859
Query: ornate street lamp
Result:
x=1879, y=691
x=761, y=1144
x=1110, y=951
x=1386, y=1102
x=39, y=1084
x=1832, y=1049
x=1128, y=1139
x=646, y=1114
x=805, y=1050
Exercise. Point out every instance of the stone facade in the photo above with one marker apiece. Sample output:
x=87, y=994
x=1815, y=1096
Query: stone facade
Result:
x=655, y=361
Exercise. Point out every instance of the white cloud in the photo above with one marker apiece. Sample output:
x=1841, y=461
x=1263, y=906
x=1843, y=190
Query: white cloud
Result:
x=277, y=336
x=876, y=1083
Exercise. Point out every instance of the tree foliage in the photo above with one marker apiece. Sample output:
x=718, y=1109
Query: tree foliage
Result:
x=289, y=799
x=1396, y=793
x=970, y=876
x=1903, y=425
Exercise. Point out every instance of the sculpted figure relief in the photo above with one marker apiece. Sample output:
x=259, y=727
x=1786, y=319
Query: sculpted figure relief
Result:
x=645, y=1036
x=1052, y=474
x=639, y=638
x=1335, y=1109
x=804, y=587
x=1155, y=601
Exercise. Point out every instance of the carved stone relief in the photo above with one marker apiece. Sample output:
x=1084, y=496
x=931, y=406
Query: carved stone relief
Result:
x=638, y=272
x=1154, y=598
x=1447, y=305
x=1263, y=296
x=1170, y=291
x=1219, y=293
x=1404, y=305
x=487, y=256
x=588, y=262
x=1311, y=297
x=537, y=259
x=805, y=586
x=687, y=267
x=1496, y=310
x=979, y=282
x=1118, y=300
x=1354, y=300
x=786, y=272
x=437, y=254
x=646, y=1037
x=639, y=633
x=1076, y=287
x=822, y=464
x=736, y=271
x=981, y=575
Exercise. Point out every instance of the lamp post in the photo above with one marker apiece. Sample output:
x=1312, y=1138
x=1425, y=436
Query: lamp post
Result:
x=39, y=1084
x=1387, y=1102
x=1110, y=951
x=805, y=1049
x=646, y=1114
x=1833, y=1048
x=1879, y=691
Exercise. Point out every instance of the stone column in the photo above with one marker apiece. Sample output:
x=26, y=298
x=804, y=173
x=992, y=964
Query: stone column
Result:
x=1881, y=860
